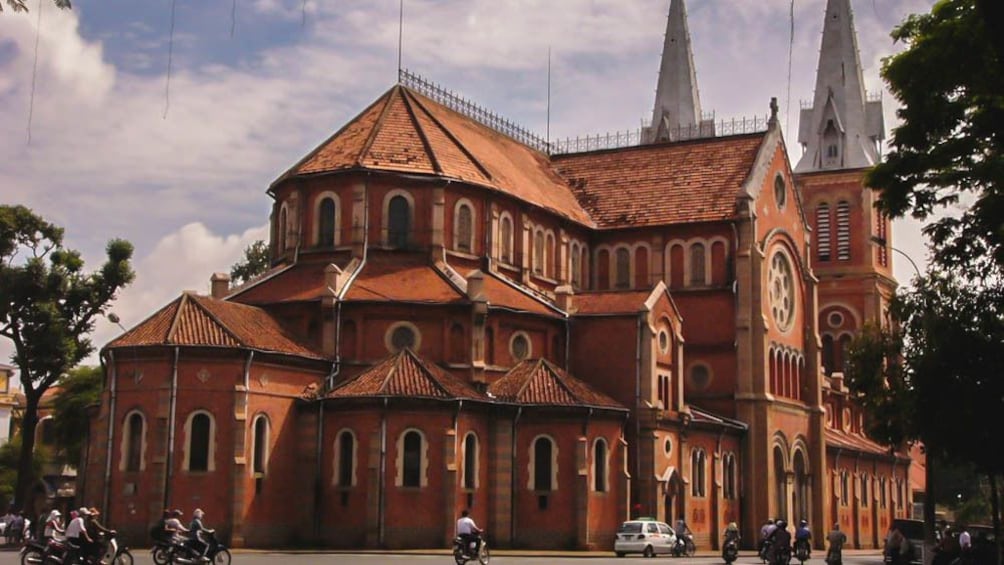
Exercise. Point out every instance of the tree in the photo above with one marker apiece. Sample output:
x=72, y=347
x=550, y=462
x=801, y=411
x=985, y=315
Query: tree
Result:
x=949, y=147
x=80, y=389
x=9, y=453
x=255, y=262
x=22, y=6
x=47, y=309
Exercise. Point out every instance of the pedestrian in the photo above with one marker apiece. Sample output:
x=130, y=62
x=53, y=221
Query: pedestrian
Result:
x=837, y=539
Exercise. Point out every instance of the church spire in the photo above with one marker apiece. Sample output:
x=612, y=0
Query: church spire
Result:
x=842, y=129
x=677, y=112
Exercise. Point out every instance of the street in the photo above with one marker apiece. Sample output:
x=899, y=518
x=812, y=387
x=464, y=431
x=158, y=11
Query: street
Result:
x=142, y=557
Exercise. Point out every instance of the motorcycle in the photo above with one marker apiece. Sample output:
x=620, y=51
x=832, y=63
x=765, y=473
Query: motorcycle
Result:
x=802, y=550
x=215, y=551
x=33, y=552
x=684, y=546
x=462, y=556
x=782, y=555
x=730, y=551
x=764, y=551
x=60, y=552
x=114, y=553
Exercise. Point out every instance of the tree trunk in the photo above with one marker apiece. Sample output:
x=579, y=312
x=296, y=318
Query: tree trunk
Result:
x=929, y=538
x=25, y=472
x=995, y=513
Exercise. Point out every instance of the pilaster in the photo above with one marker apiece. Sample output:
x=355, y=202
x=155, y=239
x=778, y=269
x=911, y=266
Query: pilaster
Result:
x=359, y=219
x=582, y=540
x=501, y=468
x=438, y=242
x=450, y=485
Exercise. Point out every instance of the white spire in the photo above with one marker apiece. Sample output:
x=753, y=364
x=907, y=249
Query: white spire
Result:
x=843, y=128
x=677, y=112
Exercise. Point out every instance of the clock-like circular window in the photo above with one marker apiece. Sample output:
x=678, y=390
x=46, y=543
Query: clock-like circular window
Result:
x=835, y=319
x=782, y=291
x=664, y=341
x=780, y=193
x=519, y=347
x=667, y=446
x=402, y=335
x=700, y=376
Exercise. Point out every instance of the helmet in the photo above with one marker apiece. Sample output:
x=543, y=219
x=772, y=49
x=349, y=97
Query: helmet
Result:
x=733, y=526
x=198, y=514
x=177, y=512
x=781, y=523
x=83, y=511
x=803, y=523
x=54, y=514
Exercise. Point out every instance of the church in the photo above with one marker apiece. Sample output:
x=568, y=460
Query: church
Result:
x=459, y=314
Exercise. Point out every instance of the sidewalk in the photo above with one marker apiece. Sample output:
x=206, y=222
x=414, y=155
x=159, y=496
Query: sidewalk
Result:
x=500, y=552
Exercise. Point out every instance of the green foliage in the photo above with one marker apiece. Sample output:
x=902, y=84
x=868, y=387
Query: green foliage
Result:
x=22, y=6
x=949, y=149
x=9, y=454
x=80, y=389
x=48, y=306
x=255, y=262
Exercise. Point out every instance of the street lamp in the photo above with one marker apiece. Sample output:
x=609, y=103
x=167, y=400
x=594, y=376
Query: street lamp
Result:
x=136, y=373
x=881, y=241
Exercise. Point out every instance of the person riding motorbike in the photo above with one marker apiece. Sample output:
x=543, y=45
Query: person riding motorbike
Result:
x=683, y=533
x=732, y=533
x=765, y=531
x=79, y=542
x=95, y=529
x=469, y=532
x=780, y=541
x=803, y=536
x=730, y=549
x=195, y=532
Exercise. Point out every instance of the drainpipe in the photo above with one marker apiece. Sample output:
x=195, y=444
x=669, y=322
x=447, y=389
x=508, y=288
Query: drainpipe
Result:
x=513, y=480
x=247, y=401
x=383, y=476
x=112, y=389
x=637, y=406
x=172, y=414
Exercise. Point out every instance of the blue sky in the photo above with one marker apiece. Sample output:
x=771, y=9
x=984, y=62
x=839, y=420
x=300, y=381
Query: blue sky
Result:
x=189, y=189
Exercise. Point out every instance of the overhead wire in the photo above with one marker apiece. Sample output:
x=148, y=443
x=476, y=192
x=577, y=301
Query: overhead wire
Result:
x=233, y=19
x=791, y=44
x=170, y=57
x=34, y=70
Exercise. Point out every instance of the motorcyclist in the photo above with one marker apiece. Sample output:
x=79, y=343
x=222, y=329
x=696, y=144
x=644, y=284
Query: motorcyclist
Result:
x=95, y=529
x=53, y=526
x=732, y=533
x=803, y=535
x=78, y=539
x=469, y=532
x=779, y=539
x=195, y=531
x=765, y=531
x=682, y=532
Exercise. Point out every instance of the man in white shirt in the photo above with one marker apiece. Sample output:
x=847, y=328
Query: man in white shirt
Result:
x=469, y=532
x=76, y=533
x=965, y=542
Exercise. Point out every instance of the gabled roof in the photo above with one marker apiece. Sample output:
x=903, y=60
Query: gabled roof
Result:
x=703, y=416
x=405, y=374
x=669, y=183
x=611, y=302
x=539, y=382
x=844, y=440
x=194, y=320
x=404, y=131
x=396, y=277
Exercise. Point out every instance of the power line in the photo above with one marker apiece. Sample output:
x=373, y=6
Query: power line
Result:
x=170, y=56
x=34, y=69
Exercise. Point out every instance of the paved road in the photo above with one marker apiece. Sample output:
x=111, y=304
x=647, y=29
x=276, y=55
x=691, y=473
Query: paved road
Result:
x=142, y=557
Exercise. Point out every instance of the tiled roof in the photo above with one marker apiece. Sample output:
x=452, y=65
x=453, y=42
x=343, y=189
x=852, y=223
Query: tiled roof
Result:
x=538, y=382
x=703, y=416
x=501, y=294
x=405, y=374
x=684, y=182
x=303, y=281
x=404, y=131
x=202, y=321
x=402, y=278
x=844, y=440
x=611, y=302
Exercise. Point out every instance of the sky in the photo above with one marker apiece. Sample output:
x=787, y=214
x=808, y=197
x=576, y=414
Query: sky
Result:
x=97, y=136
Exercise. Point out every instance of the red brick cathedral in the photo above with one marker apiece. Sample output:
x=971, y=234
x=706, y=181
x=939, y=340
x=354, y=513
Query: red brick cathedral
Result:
x=460, y=315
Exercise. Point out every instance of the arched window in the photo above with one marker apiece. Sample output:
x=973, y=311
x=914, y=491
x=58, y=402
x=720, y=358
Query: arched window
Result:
x=623, y=268
x=259, y=455
x=780, y=192
x=412, y=457
x=801, y=487
x=346, y=466
x=602, y=269
x=845, y=352
x=697, y=472
x=844, y=487
x=828, y=354
x=464, y=228
x=576, y=266
x=326, y=223
x=134, y=432
x=505, y=239
x=823, y=228
x=543, y=469
x=780, y=483
x=199, y=455
x=830, y=141
x=281, y=231
x=538, y=253
x=471, y=461
x=731, y=476
x=398, y=222
x=864, y=489
x=549, y=261
x=489, y=346
x=697, y=275
x=843, y=231
x=600, y=465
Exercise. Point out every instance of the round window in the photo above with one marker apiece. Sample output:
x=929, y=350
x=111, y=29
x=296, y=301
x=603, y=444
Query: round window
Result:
x=700, y=376
x=780, y=193
x=782, y=291
x=667, y=446
x=402, y=335
x=664, y=341
x=520, y=346
x=835, y=319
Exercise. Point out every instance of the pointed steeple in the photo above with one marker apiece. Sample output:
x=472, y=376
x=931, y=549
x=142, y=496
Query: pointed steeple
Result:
x=842, y=129
x=677, y=112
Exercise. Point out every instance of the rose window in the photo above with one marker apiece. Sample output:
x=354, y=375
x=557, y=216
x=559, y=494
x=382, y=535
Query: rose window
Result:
x=782, y=291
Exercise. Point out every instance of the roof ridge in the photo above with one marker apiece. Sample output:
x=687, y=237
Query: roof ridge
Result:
x=558, y=377
x=144, y=321
x=422, y=135
x=446, y=131
x=197, y=300
x=429, y=373
x=535, y=364
x=377, y=126
x=395, y=359
x=177, y=318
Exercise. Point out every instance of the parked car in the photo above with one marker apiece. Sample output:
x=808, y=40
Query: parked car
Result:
x=913, y=532
x=984, y=543
x=646, y=536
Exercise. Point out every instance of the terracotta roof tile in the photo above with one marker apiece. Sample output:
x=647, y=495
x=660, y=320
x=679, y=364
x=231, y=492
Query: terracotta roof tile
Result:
x=682, y=182
x=402, y=278
x=611, y=302
x=502, y=295
x=405, y=131
x=855, y=442
x=538, y=382
x=303, y=281
x=202, y=321
x=407, y=375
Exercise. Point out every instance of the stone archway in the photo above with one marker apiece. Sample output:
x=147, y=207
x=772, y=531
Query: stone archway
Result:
x=780, y=484
x=673, y=493
x=801, y=495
